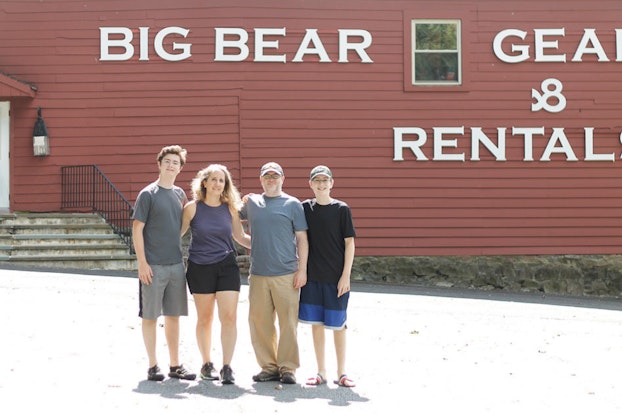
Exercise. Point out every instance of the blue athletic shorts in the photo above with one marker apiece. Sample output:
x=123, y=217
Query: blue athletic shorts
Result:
x=319, y=304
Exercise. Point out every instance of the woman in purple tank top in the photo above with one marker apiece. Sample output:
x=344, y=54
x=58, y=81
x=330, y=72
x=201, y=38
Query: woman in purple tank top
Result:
x=213, y=274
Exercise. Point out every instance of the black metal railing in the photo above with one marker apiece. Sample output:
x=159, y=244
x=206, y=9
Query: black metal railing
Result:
x=87, y=187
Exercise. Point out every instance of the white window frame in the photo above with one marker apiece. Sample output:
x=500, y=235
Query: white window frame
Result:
x=458, y=70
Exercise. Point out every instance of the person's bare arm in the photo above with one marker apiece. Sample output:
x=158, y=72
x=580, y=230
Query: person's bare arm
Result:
x=239, y=234
x=343, y=286
x=300, y=278
x=189, y=211
x=145, y=274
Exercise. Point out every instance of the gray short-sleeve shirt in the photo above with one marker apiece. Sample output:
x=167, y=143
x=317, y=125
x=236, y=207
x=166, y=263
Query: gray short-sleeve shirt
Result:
x=273, y=223
x=161, y=210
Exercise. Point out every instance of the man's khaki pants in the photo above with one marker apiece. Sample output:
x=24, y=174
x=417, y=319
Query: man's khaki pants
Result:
x=269, y=295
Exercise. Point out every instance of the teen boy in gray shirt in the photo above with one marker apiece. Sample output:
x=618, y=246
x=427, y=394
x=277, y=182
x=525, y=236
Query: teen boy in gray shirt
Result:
x=157, y=242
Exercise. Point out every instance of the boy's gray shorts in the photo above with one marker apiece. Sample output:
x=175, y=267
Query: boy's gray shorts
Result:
x=166, y=295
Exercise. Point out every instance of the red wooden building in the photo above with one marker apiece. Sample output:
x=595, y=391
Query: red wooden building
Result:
x=453, y=127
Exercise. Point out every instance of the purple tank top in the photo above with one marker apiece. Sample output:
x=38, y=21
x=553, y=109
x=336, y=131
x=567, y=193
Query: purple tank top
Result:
x=211, y=234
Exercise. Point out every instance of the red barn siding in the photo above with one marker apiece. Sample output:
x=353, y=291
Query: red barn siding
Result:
x=118, y=114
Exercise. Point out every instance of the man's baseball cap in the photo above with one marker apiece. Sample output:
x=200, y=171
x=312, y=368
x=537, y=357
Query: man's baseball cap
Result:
x=319, y=170
x=271, y=167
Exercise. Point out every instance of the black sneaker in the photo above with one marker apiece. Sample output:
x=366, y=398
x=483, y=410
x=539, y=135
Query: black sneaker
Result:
x=154, y=374
x=226, y=374
x=180, y=372
x=264, y=376
x=208, y=372
x=288, y=378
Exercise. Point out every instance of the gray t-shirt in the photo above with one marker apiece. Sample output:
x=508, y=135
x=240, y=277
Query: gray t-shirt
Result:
x=160, y=210
x=273, y=222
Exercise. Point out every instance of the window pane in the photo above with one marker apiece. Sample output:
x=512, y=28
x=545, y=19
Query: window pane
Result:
x=436, y=66
x=435, y=36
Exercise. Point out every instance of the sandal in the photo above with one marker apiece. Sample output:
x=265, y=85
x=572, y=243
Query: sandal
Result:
x=316, y=381
x=345, y=381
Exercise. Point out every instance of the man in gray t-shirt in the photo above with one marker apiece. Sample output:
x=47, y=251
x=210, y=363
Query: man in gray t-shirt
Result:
x=156, y=231
x=279, y=251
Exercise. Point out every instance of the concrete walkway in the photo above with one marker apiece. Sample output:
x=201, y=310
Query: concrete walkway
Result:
x=72, y=343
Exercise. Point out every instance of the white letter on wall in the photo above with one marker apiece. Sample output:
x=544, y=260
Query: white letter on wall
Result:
x=589, y=148
x=566, y=148
x=528, y=133
x=318, y=48
x=415, y=146
x=541, y=44
x=359, y=48
x=261, y=44
x=523, y=49
x=440, y=143
x=239, y=44
x=184, y=47
x=478, y=136
x=105, y=43
x=144, y=43
x=589, y=35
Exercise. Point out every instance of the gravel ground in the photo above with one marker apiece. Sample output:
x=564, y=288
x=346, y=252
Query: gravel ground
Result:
x=72, y=342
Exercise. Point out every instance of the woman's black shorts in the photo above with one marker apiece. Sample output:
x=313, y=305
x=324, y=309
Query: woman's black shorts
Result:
x=210, y=278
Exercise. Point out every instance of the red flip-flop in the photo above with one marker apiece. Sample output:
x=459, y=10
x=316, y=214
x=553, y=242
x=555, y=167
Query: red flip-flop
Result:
x=345, y=381
x=316, y=381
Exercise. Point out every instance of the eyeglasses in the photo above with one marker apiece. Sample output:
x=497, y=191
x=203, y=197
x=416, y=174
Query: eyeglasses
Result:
x=321, y=181
x=168, y=162
x=271, y=176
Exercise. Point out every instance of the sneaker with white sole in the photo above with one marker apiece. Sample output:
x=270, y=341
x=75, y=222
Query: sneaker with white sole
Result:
x=208, y=372
x=180, y=372
x=155, y=374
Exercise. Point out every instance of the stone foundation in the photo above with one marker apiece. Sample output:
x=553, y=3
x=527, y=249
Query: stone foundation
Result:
x=577, y=275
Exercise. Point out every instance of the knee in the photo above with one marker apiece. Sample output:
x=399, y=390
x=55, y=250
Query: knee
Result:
x=228, y=319
x=147, y=323
x=205, y=320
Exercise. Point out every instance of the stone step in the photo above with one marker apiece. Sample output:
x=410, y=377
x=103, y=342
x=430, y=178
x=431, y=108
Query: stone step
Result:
x=86, y=262
x=61, y=250
x=55, y=229
x=49, y=218
x=82, y=241
x=66, y=239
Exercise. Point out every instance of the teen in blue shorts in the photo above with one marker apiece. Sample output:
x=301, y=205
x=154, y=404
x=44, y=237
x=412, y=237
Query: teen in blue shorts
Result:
x=324, y=299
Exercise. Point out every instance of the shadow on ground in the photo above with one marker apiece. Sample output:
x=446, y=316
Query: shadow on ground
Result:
x=176, y=389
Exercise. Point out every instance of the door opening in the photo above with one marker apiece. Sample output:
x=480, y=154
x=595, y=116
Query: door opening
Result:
x=4, y=156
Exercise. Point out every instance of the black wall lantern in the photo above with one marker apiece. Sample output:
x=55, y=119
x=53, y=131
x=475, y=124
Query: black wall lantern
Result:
x=40, y=139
